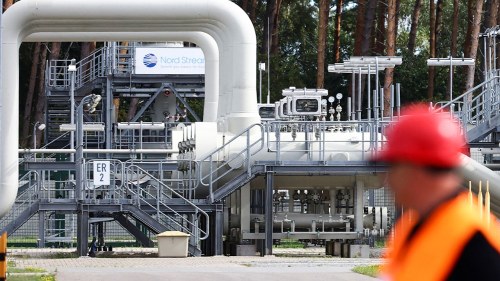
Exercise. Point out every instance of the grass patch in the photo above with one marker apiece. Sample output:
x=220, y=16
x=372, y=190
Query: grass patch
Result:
x=48, y=277
x=290, y=243
x=370, y=270
x=25, y=270
x=35, y=274
x=380, y=244
x=62, y=255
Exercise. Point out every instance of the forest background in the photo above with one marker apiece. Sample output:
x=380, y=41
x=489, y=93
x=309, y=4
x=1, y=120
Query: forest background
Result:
x=302, y=37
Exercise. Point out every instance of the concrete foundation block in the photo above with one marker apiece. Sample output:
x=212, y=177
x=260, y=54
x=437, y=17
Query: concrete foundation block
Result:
x=329, y=248
x=359, y=251
x=344, y=252
x=246, y=250
x=337, y=249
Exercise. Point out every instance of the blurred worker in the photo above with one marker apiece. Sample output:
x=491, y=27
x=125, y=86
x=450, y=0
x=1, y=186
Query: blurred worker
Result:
x=440, y=235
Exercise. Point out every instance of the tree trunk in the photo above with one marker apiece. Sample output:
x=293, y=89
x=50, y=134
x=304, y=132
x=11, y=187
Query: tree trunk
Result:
x=336, y=35
x=468, y=34
x=391, y=51
x=491, y=20
x=360, y=27
x=276, y=25
x=25, y=132
x=439, y=24
x=253, y=11
x=432, y=48
x=7, y=4
x=324, y=9
x=454, y=29
x=55, y=50
x=271, y=31
x=368, y=27
x=415, y=16
x=380, y=35
x=244, y=5
x=476, y=24
x=454, y=37
x=498, y=46
x=40, y=102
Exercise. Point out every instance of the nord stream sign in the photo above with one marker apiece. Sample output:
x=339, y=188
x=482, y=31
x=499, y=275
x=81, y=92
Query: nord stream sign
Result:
x=169, y=61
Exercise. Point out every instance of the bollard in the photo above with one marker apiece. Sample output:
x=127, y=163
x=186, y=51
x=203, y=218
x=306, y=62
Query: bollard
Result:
x=3, y=257
x=487, y=204
x=470, y=193
x=480, y=201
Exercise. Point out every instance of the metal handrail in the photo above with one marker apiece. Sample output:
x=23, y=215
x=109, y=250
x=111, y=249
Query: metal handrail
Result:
x=172, y=191
x=314, y=137
x=212, y=158
x=479, y=108
x=21, y=202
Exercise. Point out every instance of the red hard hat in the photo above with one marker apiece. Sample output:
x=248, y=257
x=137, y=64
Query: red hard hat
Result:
x=424, y=138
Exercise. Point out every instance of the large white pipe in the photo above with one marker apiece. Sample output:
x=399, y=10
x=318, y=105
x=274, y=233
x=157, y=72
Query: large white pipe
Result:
x=114, y=16
x=206, y=42
x=475, y=172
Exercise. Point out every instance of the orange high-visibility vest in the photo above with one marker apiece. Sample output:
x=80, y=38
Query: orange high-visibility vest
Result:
x=435, y=248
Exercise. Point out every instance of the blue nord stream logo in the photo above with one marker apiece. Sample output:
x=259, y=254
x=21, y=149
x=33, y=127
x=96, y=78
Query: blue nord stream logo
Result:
x=150, y=60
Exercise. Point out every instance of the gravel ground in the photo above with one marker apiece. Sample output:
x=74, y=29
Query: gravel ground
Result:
x=312, y=267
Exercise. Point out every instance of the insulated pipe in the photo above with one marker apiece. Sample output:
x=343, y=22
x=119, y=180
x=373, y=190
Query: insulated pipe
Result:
x=115, y=16
x=475, y=172
x=219, y=34
x=206, y=42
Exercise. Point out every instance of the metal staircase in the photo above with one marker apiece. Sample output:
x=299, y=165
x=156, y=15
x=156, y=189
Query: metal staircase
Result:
x=151, y=207
x=26, y=204
x=479, y=111
x=234, y=161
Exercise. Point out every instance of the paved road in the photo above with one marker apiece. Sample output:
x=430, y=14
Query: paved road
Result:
x=204, y=268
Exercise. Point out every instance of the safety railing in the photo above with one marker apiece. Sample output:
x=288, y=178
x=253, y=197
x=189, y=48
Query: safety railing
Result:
x=232, y=156
x=102, y=193
x=25, y=197
x=154, y=195
x=91, y=67
x=113, y=58
x=60, y=228
x=162, y=171
x=477, y=105
x=58, y=74
x=121, y=58
x=143, y=135
x=325, y=141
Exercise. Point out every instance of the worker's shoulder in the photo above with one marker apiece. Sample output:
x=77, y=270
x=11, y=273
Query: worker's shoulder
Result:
x=478, y=260
x=480, y=224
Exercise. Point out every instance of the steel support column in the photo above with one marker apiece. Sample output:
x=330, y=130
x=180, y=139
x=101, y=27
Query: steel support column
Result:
x=244, y=209
x=269, y=212
x=41, y=229
x=82, y=232
x=109, y=114
x=358, y=205
x=219, y=228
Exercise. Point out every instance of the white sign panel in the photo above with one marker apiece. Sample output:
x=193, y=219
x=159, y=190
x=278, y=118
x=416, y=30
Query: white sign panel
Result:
x=169, y=61
x=101, y=172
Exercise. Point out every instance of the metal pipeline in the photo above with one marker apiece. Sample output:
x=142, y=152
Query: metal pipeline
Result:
x=96, y=150
x=223, y=20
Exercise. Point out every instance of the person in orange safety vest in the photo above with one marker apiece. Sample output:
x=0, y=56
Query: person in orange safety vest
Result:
x=440, y=235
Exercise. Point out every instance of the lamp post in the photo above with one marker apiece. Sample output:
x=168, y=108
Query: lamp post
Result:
x=91, y=102
x=72, y=74
x=262, y=67
x=38, y=126
x=450, y=61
